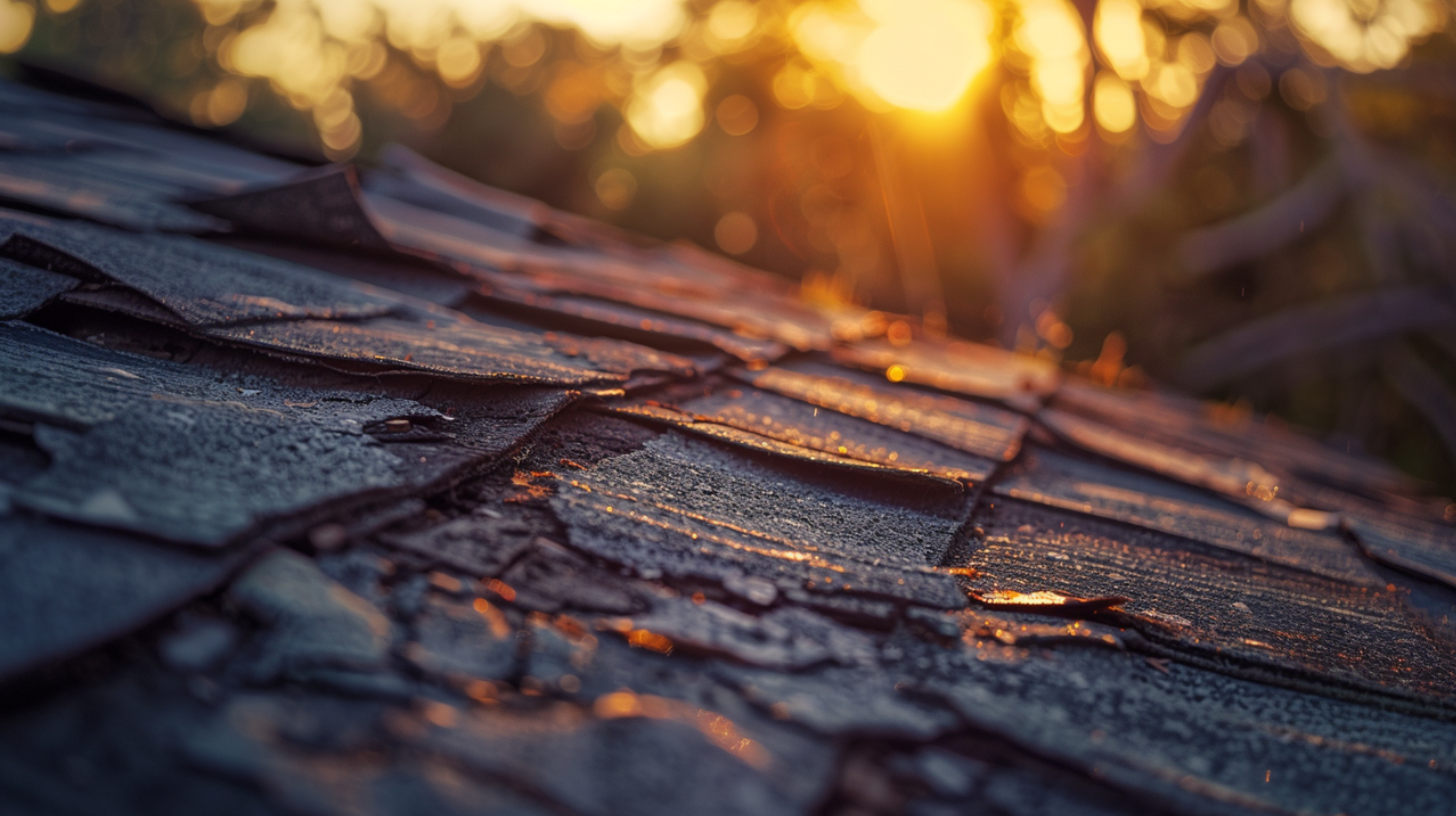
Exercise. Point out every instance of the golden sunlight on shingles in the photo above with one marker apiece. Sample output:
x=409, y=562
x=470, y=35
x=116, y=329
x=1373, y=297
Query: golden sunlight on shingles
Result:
x=719, y=730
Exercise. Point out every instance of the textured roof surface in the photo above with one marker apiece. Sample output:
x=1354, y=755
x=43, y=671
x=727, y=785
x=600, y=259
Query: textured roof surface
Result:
x=375, y=491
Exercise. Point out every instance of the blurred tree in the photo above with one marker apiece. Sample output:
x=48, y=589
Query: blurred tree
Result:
x=1248, y=197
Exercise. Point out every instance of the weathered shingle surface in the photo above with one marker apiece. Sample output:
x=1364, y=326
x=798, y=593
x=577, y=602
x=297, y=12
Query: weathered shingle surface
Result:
x=373, y=491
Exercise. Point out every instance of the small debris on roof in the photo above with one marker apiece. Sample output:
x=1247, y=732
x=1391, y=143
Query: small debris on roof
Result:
x=1027, y=631
x=314, y=622
x=784, y=639
x=1046, y=600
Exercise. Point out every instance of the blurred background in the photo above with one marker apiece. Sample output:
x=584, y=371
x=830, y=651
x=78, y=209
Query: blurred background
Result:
x=1249, y=199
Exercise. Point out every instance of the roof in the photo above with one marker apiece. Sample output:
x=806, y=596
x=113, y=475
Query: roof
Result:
x=371, y=490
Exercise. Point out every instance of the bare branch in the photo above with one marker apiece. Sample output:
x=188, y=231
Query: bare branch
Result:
x=1315, y=328
x=1424, y=389
x=1259, y=232
x=1159, y=161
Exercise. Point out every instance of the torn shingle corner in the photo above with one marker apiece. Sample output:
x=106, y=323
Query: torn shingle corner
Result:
x=371, y=490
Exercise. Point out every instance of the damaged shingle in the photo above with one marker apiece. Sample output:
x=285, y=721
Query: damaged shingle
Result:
x=23, y=289
x=959, y=367
x=623, y=765
x=1188, y=740
x=640, y=325
x=687, y=508
x=482, y=545
x=130, y=458
x=730, y=413
x=1283, y=624
x=783, y=639
x=863, y=701
x=313, y=622
x=103, y=191
x=1409, y=543
x=966, y=426
x=453, y=224
x=245, y=298
x=1181, y=422
x=65, y=589
x=813, y=450
x=462, y=640
x=1237, y=479
x=1059, y=480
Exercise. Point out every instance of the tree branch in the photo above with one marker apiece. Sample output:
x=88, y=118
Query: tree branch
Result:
x=1315, y=328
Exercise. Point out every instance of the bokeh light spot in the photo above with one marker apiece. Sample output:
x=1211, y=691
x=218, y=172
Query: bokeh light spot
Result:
x=525, y=50
x=1113, y=103
x=1118, y=27
x=1300, y=89
x=736, y=233
x=616, y=188
x=666, y=110
x=16, y=21
x=458, y=61
x=1051, y=36
x=737, y=115
x=1235, y=40
x=1365, y=36
x=639, y=24
x=1043, y=189
x=731, y=21
x=226, y=102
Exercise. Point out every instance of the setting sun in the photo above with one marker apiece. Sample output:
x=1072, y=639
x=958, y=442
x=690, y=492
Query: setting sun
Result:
x=924, y=54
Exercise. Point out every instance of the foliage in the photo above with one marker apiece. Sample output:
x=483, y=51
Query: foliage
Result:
x=1249, y=199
